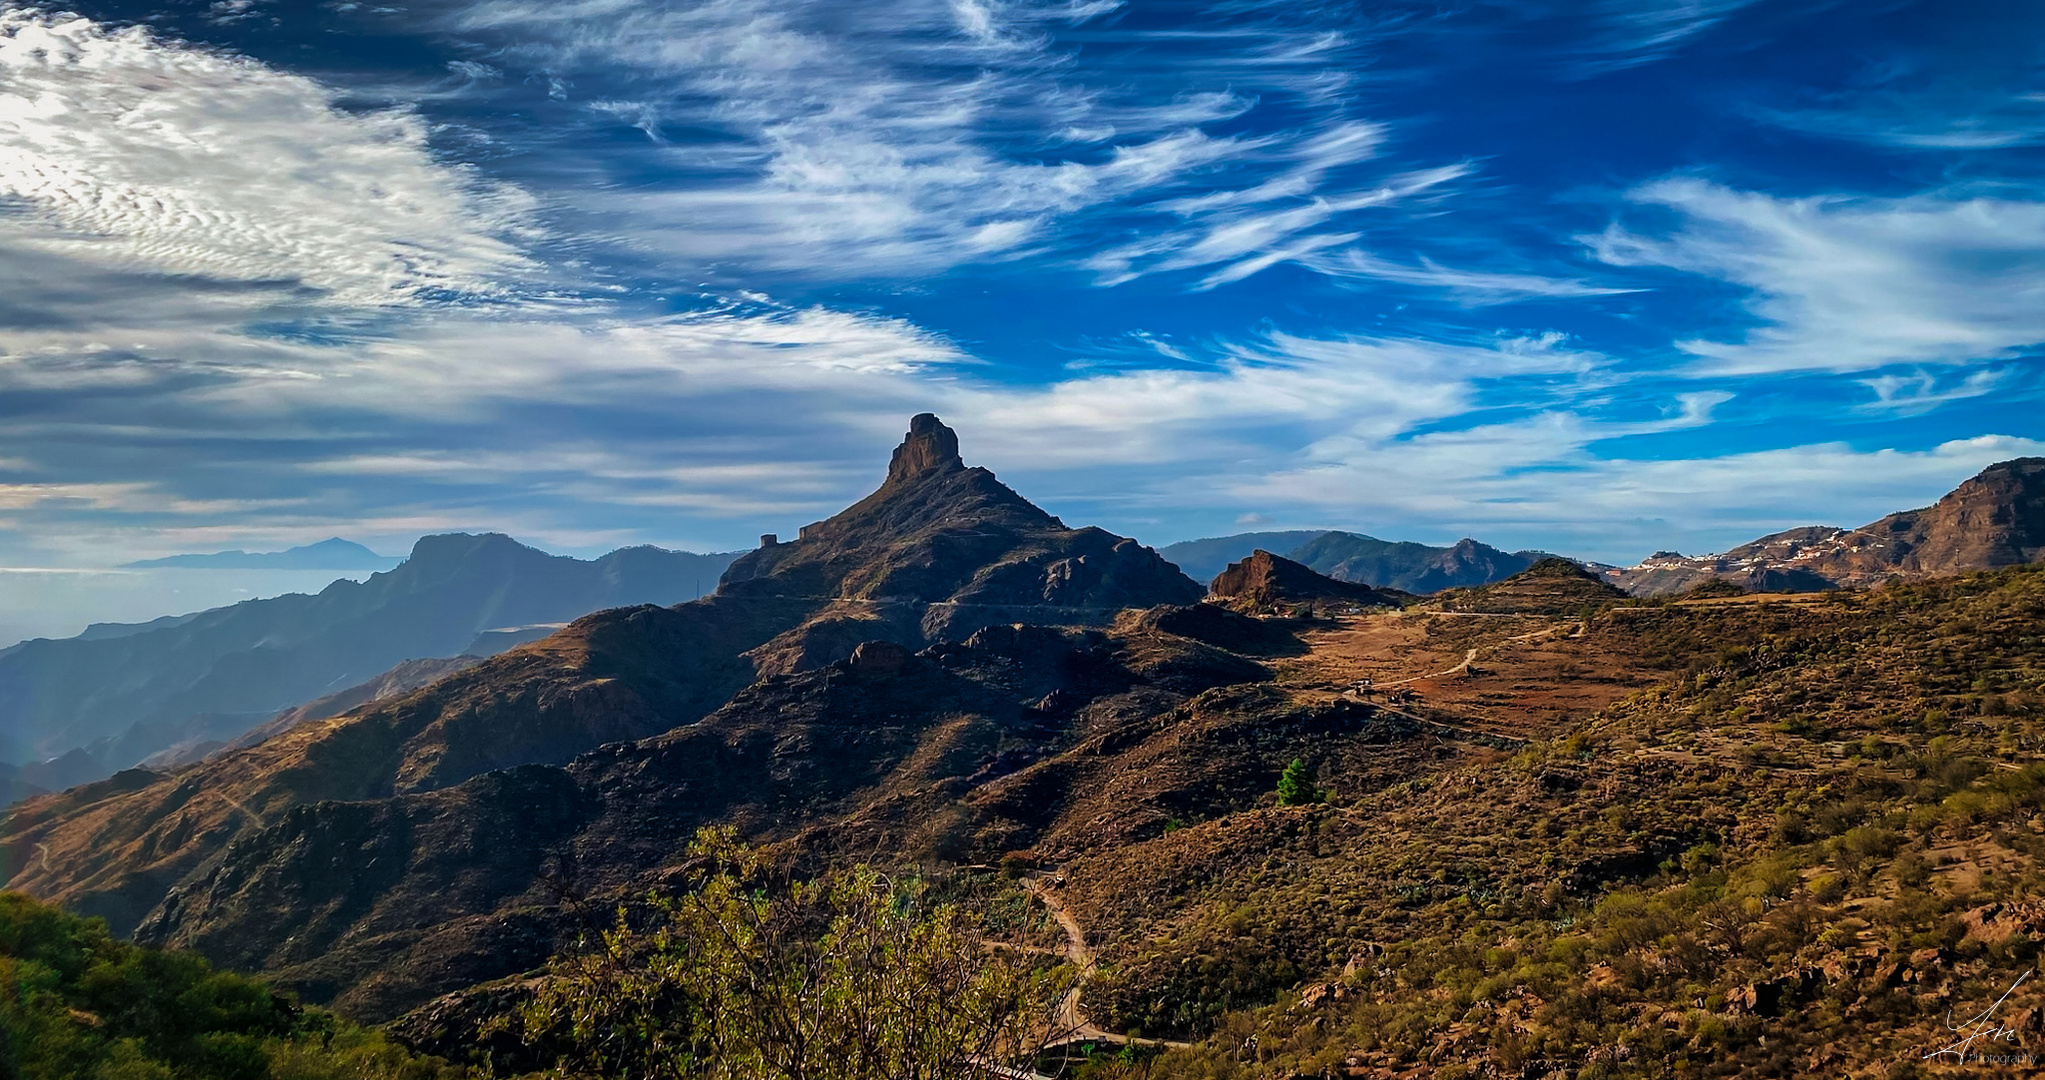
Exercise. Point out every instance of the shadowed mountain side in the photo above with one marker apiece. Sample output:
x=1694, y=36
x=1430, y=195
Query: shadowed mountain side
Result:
x=1552, y=586
x=214, y=674
x=1265, y=581
x=619, y=674
x=379, y=905
x=402, y=679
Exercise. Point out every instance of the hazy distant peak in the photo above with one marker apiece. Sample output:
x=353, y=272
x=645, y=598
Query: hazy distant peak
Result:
x=330, y=554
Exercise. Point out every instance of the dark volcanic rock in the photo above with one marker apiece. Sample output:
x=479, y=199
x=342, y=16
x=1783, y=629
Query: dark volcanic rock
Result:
x=942, y=549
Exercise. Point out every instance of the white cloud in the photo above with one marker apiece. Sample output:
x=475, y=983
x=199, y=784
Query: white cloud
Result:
x=1540, y=480
x=1852, y=284
x=1474, y=287
x=120, y=150
x=1920, y=392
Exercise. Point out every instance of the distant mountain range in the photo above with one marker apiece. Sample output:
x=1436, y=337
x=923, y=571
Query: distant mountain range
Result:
x=1360, y=559
x=1995, y=519
x=334, y=554
x=86, y=706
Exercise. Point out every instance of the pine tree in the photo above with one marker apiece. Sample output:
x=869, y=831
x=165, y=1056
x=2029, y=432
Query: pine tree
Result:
x=1296, y=786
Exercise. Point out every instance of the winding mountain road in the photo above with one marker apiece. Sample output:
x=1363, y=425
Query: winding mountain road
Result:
x=1071, y=1025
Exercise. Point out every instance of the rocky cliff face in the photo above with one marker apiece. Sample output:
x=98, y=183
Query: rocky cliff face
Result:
x=938, y=552
x=1994, y=519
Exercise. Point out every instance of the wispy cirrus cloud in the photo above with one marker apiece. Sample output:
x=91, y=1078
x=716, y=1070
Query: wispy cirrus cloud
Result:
x=1851, y=284
x=1963, y=119
x=1473, y=287
x=908, y=136
x=1628, y=33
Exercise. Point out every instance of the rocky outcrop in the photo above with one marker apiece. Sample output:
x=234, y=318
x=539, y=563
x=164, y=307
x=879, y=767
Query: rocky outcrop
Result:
x=1997, y=518
x=942, y=549
x=1266, y=582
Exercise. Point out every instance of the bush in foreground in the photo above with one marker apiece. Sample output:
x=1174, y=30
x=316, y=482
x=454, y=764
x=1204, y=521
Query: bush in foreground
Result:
x=76, y=1002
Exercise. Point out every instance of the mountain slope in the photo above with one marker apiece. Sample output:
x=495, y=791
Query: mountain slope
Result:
x=1552, y=586
x=938, y=551
x=1808, y=850
x=213, y=674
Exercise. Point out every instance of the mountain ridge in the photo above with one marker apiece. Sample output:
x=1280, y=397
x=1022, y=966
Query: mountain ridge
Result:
x=1264, y=582
x=938, y=553
x=1993, y=519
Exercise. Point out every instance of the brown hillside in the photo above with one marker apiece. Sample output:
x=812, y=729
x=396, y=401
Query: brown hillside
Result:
x=1805, y=853
x=1551, y=586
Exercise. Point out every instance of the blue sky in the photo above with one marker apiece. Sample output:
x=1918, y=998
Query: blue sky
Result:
x=1602, y=277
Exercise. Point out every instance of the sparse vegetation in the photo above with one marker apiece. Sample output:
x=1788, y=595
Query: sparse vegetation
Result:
x=1822, y=832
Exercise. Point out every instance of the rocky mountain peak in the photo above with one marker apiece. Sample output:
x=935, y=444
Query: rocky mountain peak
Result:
x=1265, y=580
x=929, y=447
